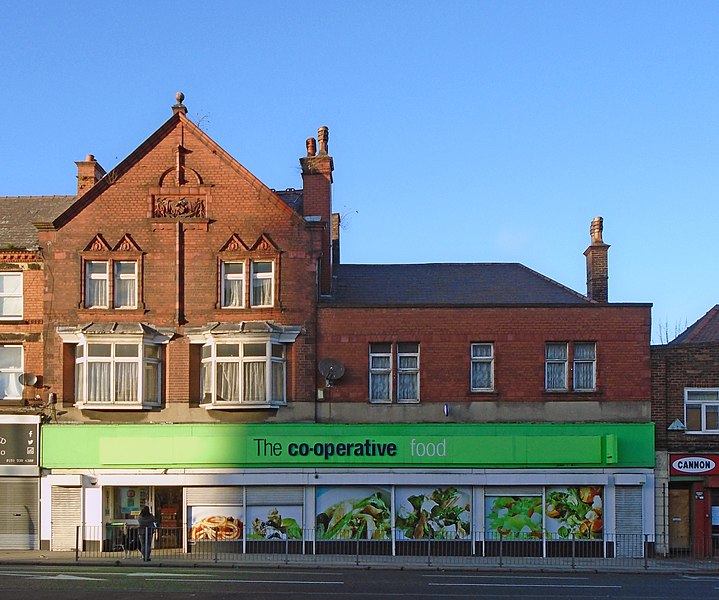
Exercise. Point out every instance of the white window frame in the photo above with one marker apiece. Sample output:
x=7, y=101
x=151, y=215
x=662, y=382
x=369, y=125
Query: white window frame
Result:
x=391, y=362
x=124, y=277
x=229, y=277
x=378, y=370
x=16, y=294
x=584, y=361
x=97, y=277
x=258, y=279
x=13, y=373
x=407, y=371
x=709, y=402
x=144, y=361
x=274, y=360
x=554, y=361
x=476, y=358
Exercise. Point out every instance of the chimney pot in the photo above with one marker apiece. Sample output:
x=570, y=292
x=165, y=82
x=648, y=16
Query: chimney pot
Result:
x=597, y=263
x=323, y=136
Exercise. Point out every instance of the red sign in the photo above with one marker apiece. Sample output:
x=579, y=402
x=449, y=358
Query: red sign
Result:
x=694, y=464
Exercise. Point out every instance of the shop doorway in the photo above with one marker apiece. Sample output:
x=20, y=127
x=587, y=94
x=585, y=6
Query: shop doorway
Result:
x=680, y=538
x=168, y=510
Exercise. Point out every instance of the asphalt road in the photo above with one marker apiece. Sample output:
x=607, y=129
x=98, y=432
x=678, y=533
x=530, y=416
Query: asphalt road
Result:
x=125, y=583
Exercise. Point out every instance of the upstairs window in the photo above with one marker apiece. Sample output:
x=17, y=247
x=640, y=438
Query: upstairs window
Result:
x=701, y=408
x=11, y=366
x=122, y=288
x=11, y=295
x=237, y=374
x=263, y=283
x=117, y=374
x=556, y=366
x=125, y=284
x=96, y=284
x=482, y=368
x=585, y=362
x=387, y=384
x=233, y=285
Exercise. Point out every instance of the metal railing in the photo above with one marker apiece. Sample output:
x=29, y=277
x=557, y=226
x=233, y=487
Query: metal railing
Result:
x=481, y=549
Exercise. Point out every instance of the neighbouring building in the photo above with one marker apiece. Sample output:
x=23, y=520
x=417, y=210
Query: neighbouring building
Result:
x=202, y=349
x=685, y=408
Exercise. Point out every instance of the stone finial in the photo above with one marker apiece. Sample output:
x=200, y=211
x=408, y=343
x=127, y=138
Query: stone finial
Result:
x=595, y=230
x=311, y=144
x=179, y=107
x=323, y=136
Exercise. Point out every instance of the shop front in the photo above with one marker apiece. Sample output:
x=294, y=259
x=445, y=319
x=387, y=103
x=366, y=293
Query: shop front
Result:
x=531, y=489
x=19, y=477
x=694, y=504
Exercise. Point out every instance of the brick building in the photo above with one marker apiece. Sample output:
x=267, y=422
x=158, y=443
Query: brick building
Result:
x=204, y=351
x=685, y=408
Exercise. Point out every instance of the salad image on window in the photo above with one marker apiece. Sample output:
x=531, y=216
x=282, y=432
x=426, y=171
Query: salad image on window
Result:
x=515, y=517
x=364, y=518
x=575, y=512
x=269, y=524
x=443, y=513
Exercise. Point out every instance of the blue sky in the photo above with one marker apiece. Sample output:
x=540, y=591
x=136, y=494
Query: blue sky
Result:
x=461, y=131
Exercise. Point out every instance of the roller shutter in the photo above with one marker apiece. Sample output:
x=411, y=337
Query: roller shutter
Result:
x=19, y=514
x=629, y=521
x=66, y=515
x=214, y=496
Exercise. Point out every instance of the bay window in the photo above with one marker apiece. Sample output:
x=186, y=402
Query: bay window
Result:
x=243, y=373
x=117, y=373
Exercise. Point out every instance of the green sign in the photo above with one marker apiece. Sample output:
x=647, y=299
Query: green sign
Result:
x=319, y=445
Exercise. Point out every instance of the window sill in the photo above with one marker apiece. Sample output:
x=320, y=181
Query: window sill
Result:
x=702, y=432
x=115, y=406
x=243, y=406
x=390, y=402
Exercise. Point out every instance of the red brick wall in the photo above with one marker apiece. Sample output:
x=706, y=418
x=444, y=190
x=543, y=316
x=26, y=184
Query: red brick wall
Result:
x=673, y=369
x=237, y=204
x=519, y=335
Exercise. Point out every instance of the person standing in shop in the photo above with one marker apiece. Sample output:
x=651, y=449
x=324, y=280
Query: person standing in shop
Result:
x=147, y=523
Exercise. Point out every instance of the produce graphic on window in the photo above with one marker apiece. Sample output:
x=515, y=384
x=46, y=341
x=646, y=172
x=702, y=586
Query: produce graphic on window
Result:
x=575, y=512
x=275, y=523
x=514, y=517
x=353, y=513
x=442, y=513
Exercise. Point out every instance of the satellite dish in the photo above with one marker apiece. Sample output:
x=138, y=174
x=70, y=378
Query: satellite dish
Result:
x=331, y=369
x=28, y=379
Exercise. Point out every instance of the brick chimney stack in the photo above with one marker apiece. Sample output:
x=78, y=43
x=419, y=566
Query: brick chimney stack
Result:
x=317, y=169
x=89, y=172
x=597, y=263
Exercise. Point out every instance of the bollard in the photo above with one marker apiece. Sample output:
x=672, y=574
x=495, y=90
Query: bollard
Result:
x=77, y=543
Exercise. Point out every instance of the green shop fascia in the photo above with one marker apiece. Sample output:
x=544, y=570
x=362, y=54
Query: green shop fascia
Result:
x=362, y=446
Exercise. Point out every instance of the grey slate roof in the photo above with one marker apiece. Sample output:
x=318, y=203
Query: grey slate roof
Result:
x=705, y=330
x=444, y=284
x=18, y=213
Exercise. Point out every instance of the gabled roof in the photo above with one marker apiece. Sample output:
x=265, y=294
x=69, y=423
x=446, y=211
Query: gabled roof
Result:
x=705, y=330
x=18, y=213
x=447, y=284
x=285, y=200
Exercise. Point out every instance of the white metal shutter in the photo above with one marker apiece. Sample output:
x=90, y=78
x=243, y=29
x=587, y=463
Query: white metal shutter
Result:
x=214, y=496
x=19, y=514
x=629, y=521
x=275, y=496
x=66, y=516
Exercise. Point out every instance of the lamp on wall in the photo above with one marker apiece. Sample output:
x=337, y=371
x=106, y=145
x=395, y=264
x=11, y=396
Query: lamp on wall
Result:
x=677, y=425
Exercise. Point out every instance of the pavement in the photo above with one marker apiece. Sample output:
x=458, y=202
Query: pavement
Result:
x=681, y=566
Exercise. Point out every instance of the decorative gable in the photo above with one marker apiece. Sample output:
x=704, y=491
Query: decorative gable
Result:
x=234, y=244
x=98, y=244
x=126, y=244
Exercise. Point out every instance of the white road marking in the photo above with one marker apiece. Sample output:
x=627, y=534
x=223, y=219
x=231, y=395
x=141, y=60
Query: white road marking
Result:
x=283, y=581
x=526, y=585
